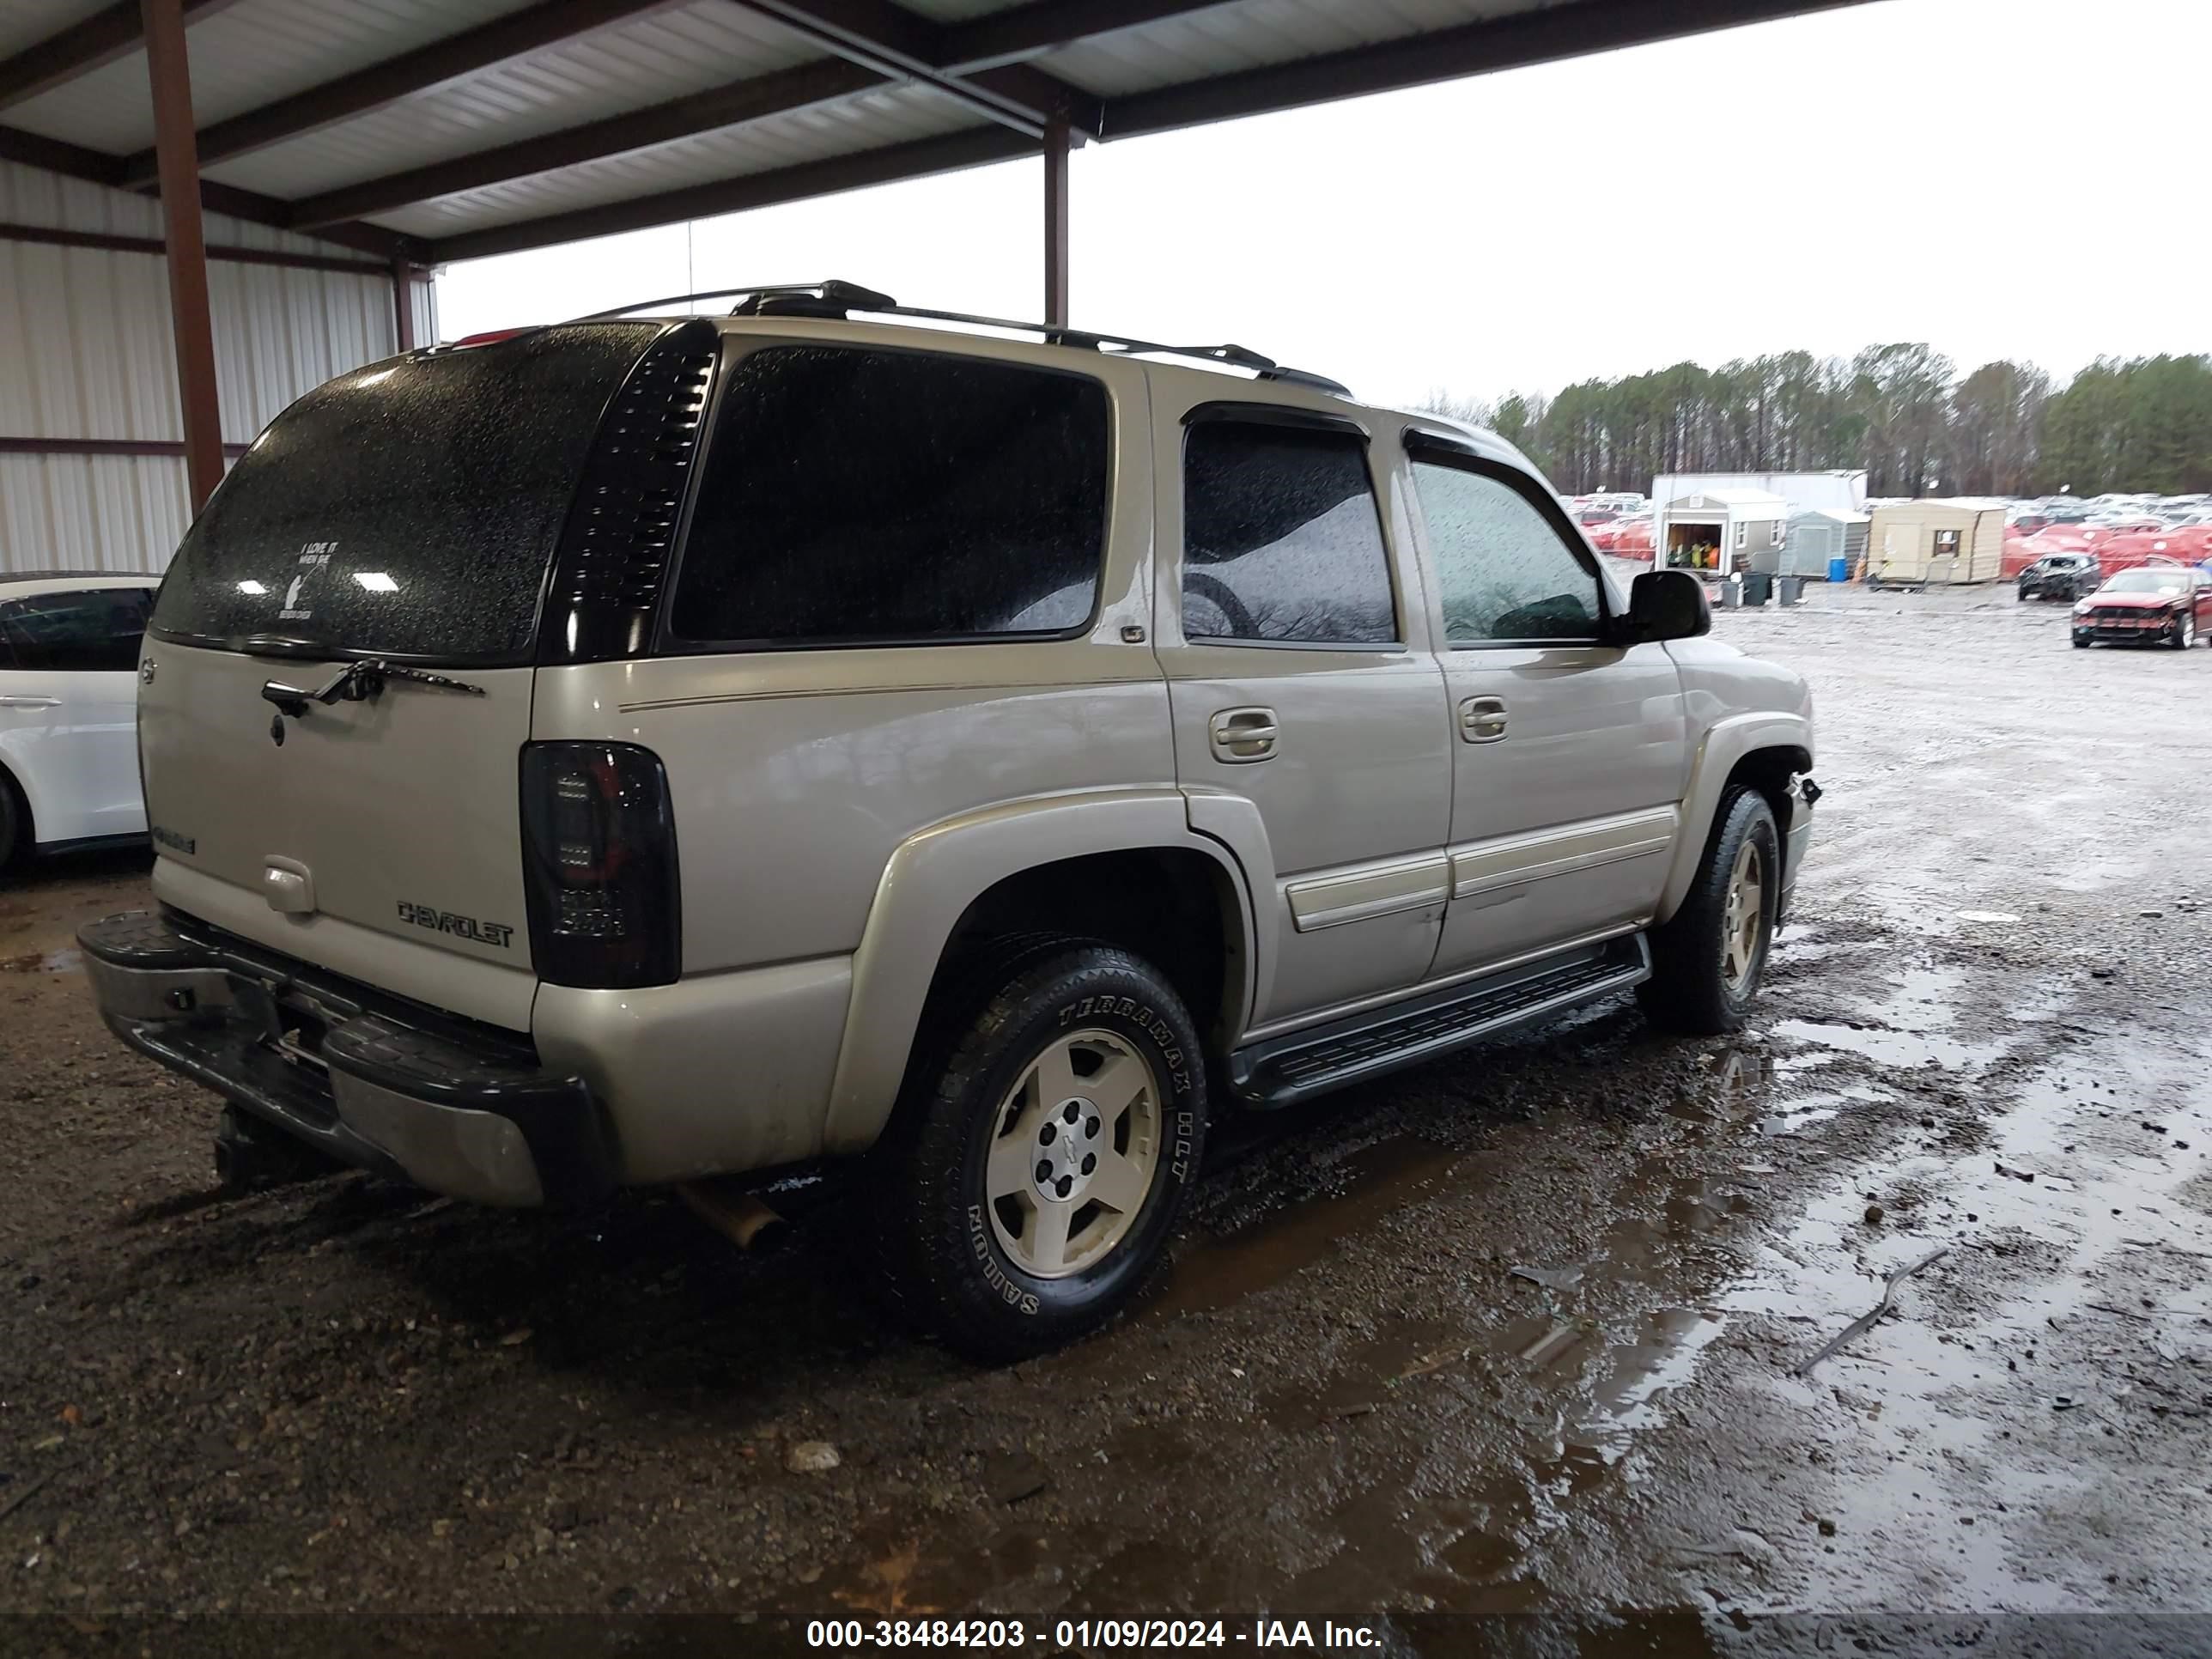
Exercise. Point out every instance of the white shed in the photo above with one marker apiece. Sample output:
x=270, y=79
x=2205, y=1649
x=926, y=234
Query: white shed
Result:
x=1715, y=532
x=1842, y=490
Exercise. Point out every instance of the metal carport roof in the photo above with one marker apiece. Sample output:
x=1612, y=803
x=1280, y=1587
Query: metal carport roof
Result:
x=429, y=130
x=422, y=131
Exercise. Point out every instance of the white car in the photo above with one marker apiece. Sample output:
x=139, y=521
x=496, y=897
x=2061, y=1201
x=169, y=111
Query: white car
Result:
x=69, y=709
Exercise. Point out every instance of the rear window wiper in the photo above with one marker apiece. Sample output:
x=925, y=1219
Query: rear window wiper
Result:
x=357, y=681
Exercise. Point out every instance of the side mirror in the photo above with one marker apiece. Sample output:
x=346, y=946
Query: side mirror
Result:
x=1667, y=604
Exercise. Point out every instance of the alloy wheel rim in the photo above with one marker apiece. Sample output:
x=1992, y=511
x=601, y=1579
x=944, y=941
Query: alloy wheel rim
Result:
x=1744, y=917
x=1074, y=1151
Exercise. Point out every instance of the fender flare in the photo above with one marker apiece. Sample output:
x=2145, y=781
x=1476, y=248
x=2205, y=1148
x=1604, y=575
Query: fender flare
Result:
x=928, y=886
x=1725, y=743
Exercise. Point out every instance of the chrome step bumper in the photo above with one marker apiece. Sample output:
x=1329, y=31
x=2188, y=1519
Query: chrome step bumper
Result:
x=463, y=1113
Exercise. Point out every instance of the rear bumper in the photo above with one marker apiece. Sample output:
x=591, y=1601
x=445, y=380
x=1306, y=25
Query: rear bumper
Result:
x=460, y=1110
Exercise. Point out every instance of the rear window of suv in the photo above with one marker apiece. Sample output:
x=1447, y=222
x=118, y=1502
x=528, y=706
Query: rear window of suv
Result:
x=408, y=508
x=894, y=497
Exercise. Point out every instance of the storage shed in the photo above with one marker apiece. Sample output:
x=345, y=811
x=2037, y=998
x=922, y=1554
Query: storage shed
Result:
x=1842, y=488
x=1813, y=539
x=1715, y=532
x=1928, y=543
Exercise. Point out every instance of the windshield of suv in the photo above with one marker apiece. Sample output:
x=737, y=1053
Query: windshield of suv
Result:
x=408, y=508
x=2147, y=581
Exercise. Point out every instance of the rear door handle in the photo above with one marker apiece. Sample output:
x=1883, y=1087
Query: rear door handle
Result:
x=1482, y=719
x=30, y=702
x=1240, y=736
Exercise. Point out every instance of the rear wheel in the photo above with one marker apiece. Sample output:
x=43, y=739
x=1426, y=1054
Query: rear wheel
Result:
x=1035, y=1170
x=15, y=823
x=1707, y=960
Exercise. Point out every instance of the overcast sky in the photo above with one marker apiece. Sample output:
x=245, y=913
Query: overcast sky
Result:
x=2001, y=178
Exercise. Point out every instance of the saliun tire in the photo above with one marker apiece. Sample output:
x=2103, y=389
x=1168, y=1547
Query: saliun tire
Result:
x=947, y=1270
x=1688, y=990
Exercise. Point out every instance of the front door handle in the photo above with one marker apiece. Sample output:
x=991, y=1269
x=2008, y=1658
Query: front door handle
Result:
x=1482, y=719
x=30, y=702
x=1242, y=735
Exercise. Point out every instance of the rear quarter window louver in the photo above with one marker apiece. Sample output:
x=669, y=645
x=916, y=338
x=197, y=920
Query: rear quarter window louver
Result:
x=621, y=534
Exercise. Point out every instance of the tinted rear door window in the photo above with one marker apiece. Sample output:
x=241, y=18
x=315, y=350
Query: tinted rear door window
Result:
x=409, y=507
x=893, y=497
x=1281, y=538
x=97, y=628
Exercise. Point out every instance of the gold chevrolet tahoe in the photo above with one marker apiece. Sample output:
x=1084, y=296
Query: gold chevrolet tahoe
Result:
x=630, y=752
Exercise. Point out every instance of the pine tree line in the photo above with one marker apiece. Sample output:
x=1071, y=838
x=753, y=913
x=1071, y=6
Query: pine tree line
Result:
x=1903, y=412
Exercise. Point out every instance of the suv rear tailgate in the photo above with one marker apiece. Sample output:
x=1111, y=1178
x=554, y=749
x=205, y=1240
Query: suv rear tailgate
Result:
x=386, y=829
x=399, y=524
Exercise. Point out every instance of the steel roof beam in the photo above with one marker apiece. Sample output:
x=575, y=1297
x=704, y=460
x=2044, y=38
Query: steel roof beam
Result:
x=947, y=153
x=1515, y=41
x=1563, y=31
x=902, y=46
x=109, y=33
x=1029, y=31
x=753, y=98
x=499, y=41
x=100, y=167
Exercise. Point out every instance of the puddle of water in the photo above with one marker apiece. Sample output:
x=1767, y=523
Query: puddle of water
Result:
x=1954, y=1384
x=1222, y=1271
x=1893, y=1048
x=68, y=961
x=1625, y=1400
x=1819, y=1109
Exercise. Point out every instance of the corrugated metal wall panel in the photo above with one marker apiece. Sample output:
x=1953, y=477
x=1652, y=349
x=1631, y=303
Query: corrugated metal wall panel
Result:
x=90, y=512
x=86, y=352
x=32, y=196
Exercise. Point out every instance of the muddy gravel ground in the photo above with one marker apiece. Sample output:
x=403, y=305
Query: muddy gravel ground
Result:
x=1521, y=1333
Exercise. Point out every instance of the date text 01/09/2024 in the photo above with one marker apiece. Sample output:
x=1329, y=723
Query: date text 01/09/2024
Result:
x=1084, y=1635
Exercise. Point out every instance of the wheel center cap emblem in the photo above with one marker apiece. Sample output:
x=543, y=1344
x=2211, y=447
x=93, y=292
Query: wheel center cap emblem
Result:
x=1068, y=1143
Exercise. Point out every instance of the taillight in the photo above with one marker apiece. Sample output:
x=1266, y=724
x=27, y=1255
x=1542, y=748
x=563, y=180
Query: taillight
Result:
x=598, y=846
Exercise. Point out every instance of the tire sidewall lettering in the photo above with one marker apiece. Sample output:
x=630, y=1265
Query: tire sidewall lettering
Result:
x=1172, y=1061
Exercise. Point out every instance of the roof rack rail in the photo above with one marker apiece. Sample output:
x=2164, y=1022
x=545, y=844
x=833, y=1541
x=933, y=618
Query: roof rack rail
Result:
x=832, y=299
x=835, y=298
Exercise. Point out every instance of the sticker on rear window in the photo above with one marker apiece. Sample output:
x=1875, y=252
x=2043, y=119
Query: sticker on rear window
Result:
x=314, y=555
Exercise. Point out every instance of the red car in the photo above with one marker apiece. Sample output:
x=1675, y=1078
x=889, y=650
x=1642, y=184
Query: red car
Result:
x=1634, y=539
x=2162, y=603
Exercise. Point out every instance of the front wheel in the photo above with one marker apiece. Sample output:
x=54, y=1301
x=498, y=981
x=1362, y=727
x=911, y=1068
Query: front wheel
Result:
x=2184, y=630
x=1708, y=958
x=1037, y=1168
x=2082, y=641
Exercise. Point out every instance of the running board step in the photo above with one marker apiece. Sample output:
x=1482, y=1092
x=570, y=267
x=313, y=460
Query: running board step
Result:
x=1287, y=1070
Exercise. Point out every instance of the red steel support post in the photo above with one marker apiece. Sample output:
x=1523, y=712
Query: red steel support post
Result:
x=171, y=74
x=1056, y=146
x=403, y=304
